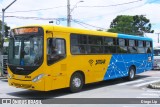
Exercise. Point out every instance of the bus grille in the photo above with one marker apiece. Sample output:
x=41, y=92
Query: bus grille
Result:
x=22, y=85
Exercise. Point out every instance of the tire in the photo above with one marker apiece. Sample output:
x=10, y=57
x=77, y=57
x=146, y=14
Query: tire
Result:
x=131, y=73
x=76, y=82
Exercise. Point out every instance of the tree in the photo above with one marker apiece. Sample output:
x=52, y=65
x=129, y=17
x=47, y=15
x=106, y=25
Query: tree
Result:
x=134, y=25
x=7, y=28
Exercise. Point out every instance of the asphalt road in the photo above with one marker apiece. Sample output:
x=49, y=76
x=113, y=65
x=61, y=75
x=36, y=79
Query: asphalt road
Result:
x=118, y=88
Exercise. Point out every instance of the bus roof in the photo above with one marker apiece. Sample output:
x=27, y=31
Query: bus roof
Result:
x=134, y=37
x=89, y=32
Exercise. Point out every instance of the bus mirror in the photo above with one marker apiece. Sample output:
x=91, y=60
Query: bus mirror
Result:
x=11, y=34
x=50, y=32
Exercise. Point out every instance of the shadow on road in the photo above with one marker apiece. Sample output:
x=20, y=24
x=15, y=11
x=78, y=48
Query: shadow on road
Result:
x=3, y=79
x=39, y=94
x=62, y=92
x=110, y=82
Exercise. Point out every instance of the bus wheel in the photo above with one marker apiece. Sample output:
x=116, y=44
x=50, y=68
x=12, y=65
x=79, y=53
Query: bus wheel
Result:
x=131, y=73
x=76, y=82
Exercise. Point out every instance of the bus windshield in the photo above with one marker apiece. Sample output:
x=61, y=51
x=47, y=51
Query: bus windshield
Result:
x=25, y=50
x=156, y=52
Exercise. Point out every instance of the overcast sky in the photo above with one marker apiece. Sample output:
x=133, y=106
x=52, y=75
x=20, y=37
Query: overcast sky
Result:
x=94, y=13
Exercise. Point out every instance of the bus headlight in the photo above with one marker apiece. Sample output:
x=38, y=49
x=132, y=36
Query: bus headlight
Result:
x=37, y=78
x=9, y=76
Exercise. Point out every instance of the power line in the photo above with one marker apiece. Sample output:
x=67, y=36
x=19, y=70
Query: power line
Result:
x=74, y=20
x=56, y=19
x=36, y=9
x=42, y=9
x=81, y=25
x=122, y=10
x=35, y=18
x=136, y=6
x=114, y=4
x=77, y=21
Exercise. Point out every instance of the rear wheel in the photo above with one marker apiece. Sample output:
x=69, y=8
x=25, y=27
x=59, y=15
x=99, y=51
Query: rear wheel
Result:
x=76, y=82
x=131, y=73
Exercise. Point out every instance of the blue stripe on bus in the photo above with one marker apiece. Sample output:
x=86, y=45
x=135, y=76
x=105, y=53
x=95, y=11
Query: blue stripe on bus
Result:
x=120, y=63
x=133, y=37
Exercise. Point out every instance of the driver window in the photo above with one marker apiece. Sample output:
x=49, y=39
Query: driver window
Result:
x=55, y=50
x=51, y=46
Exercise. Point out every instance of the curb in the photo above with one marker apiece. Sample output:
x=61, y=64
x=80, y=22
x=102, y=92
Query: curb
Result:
x=154, y=85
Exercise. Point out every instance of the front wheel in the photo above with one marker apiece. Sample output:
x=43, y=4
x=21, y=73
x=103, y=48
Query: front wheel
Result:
x=131, y=73
x=76, y=82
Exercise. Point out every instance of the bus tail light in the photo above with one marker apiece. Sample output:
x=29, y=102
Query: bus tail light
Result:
x=37, y=78
x=149, y=59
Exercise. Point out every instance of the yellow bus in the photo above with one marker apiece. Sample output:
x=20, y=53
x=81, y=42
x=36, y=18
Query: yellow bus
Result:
x=45, y=57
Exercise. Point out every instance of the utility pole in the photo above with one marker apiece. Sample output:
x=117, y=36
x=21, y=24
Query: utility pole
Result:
x=69, y=11
x=3, y=10
x=68, y=14
x=158, y=36
x=3, y=56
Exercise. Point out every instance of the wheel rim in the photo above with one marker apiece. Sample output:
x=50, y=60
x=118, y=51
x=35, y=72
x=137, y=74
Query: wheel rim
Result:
x=132, y=73
x=76, y=82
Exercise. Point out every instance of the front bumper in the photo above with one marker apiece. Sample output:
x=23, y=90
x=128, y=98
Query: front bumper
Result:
x=27, y=84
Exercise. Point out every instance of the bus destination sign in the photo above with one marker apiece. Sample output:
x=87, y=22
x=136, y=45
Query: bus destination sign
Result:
x=26, y=30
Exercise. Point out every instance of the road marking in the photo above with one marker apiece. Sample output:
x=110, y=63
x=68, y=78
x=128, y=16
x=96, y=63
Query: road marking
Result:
x=145, y=83
x=129, y=82
x=147, y=97
x=153, y=91
x=150, y=94
x=152, y=77
x=129, y=106
x=142, y=97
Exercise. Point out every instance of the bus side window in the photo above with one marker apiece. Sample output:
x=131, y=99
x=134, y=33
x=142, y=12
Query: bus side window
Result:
x=141, y=47
x=148, y=46
x=122, y=46
x=78, y=44
x=75, y=49
x=51, y=46
x=56, y=50
x=132, y=46
x=109, y=45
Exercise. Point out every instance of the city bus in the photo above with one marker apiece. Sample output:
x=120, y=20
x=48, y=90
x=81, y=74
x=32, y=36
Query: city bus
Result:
x=45, y=57
x=156, y=64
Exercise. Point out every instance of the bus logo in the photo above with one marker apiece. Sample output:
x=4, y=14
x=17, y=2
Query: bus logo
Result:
x=100, y=62
x=19, y=68
x=91, y=62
